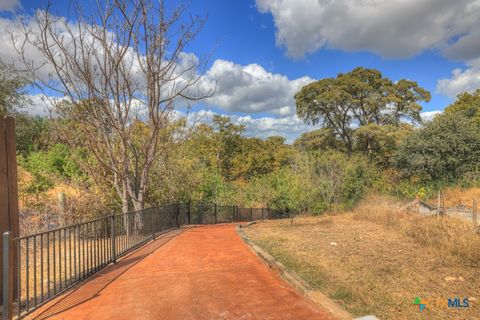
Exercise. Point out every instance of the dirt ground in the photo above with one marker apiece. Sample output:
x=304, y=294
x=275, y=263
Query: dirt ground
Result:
x=203, y=273
x=370, y=268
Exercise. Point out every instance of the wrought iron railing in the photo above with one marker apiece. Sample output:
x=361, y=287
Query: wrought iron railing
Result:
x=51, y=262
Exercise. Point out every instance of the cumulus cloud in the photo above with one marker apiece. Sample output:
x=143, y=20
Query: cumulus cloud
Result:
x=466, y=48
x=462, y=80
x=251, y=88
x=429, y=115
x=389, y=28
x=41, y=105
x=9, y=5
x=75, y=63
x=289, y=127
x=247, y=89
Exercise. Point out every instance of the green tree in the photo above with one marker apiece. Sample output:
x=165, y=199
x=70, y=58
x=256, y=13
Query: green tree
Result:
x=107, y=102
x=32, y=133
x=258, y=157
x=229, y=142
x=252, y=159
x=468, y=105
x=380, y=142
x=282, y=153
x=360, y=97
x=320, y=139
x=331, y=180
x=286, y=191
x=444, y=150
x=58, y=160
x=12, y=92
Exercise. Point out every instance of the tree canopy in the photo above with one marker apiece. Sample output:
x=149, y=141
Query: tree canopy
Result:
x=122, y=71
x=468, y=105
x=358, y=98
x=12, y=92
x=444, y=150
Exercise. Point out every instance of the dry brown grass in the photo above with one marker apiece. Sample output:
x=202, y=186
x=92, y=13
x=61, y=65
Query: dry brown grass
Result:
x=383, y=259
x=451, y=235
x=459, y=196
x=41, y=211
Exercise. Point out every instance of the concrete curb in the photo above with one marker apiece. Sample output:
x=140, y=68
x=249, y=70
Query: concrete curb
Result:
x=294, y=280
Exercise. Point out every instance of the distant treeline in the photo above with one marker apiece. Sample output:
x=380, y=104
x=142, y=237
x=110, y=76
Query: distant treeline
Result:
x=370, y=138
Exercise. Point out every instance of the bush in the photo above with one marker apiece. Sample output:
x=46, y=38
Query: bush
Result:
x=46, y=166
x=333, y=180
x=442, y=152
x=316, y=182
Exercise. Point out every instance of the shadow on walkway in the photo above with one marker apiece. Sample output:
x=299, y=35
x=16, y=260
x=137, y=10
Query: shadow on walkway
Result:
x=91, y=287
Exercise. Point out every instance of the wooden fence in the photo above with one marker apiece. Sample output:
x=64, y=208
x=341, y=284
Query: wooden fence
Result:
x=8, y=195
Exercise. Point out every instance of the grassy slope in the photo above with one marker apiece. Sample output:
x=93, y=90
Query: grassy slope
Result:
x=382, y=261
x=458, y=196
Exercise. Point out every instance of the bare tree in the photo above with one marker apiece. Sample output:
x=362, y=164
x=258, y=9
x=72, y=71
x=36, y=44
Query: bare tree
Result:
x=123, y=68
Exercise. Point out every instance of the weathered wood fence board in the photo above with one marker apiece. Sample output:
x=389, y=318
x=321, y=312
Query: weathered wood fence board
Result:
x=8, y=191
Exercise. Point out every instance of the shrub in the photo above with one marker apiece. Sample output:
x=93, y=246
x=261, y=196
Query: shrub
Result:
x=332, y=180
x=442, y=152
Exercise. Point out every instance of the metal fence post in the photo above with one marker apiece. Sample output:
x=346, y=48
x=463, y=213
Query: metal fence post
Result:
x=438, y=204
x=262, y=213
x=177, y=215
x=113, y=239
x=251, y=214
x=474, y=212
x=7, y=277
x=189, y=211
x=152, y=224
x=215, y=212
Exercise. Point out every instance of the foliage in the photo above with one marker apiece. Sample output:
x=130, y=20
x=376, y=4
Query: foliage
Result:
x=58, y=161
x=332, y=180
x=320, y=139
x=380, y=142
x=12, y=92
x=32, y=133
x=322, y=171
x=228, y=138
x=361, y=96
x=123, y=111
x=467, y=105
x=444, y=150
x=286, y=189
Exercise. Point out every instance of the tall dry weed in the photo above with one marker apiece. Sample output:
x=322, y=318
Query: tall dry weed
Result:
x=450, y=235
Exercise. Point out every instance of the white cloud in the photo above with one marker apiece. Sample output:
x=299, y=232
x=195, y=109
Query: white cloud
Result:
x=9, y=5
x=429, y=115
x=41, y=105
x=25, y=56
x=467, y=80
x=248, y=89
x=251, y=88
x=391, y=28
x=289, y=127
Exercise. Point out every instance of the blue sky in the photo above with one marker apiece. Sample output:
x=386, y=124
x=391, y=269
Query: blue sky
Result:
x=267, y=49
x=240, y=33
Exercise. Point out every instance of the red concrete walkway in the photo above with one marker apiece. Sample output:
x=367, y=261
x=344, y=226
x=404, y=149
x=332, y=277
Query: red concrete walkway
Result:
x=203, y=273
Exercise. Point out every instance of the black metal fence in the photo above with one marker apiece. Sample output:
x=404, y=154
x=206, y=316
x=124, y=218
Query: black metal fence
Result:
x=50, y=262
